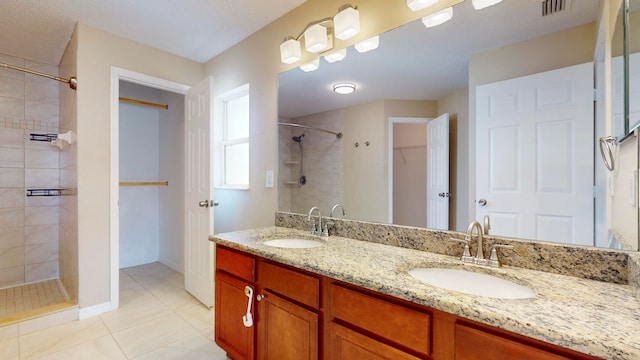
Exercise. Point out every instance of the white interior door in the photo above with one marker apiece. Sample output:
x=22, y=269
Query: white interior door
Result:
x=198, y=273
x=438, y=173
x=534, y=155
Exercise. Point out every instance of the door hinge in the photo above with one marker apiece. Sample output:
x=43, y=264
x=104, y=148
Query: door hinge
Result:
x=595, y=94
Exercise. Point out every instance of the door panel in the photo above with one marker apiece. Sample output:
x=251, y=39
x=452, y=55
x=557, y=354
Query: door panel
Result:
x=534, y=158
x=198, y=272
x=438, y=173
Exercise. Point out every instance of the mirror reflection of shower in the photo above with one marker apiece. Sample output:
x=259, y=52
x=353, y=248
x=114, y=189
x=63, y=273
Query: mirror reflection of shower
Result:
x=302, y=179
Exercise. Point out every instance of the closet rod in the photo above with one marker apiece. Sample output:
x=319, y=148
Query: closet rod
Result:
x=73, y=81
x=146, y=103
x=144, y=183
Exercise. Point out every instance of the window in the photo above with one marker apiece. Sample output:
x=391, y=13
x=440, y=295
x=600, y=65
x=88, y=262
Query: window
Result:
x=231, y=139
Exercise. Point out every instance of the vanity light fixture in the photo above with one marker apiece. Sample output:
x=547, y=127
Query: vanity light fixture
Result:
x=311, y=66
x=346, y=23
x=481, y=4
x=315, y=38
x=344, y=88
x=290, y=51
x=416, y=5
x=336, y=56
x=368, y=45
x=438, y=18
x=318, y=35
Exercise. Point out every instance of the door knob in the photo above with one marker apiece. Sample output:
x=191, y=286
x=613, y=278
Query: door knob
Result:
x=204, y=203
x=214, y=203
x=482, y=202
x=442, y=194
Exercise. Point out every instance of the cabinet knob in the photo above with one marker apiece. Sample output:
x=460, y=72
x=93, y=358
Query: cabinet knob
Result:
x=260, y=297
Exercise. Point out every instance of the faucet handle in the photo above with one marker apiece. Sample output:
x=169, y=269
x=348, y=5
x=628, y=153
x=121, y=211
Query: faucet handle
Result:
x=325, y=230
x=494, y=260
x=466, y=254
x=312, y=226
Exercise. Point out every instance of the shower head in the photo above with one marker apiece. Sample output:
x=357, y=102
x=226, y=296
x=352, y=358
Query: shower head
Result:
x=298, y=138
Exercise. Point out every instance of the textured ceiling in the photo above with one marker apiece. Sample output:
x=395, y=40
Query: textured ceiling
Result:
x=196, y=29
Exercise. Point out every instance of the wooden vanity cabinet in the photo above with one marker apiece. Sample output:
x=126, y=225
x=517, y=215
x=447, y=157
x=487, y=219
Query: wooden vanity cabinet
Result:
x=289, y=320
x=234, y=272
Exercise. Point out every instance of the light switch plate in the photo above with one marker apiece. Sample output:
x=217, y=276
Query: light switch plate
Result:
x=269, y=182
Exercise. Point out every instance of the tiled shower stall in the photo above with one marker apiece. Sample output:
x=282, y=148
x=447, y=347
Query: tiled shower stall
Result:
x=29, y=225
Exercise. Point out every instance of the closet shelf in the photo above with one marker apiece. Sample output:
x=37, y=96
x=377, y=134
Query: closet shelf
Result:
x=145, y=103
x=44, y=192
x=291, y=182
x=291, y=162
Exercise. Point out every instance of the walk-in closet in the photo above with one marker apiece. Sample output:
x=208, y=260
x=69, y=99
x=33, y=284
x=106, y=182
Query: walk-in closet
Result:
x=151, y=192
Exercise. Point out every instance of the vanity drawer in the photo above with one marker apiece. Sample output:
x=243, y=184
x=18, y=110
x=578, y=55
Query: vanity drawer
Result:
x=399, y=324
x=235, y=263
x=292, y=284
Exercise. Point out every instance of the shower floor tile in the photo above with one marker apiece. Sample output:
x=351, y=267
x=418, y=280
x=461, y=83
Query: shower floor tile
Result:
x=27, y=301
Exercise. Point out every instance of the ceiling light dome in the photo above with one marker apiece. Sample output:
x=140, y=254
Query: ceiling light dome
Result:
x=344, y=88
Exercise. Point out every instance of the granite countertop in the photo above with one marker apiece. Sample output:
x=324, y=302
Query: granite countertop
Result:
x=592, y=317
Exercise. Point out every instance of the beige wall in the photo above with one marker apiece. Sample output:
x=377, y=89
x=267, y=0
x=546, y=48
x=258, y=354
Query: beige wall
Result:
x=68, y=232
x=256, y=60
x=410, y=174
x=96, y=52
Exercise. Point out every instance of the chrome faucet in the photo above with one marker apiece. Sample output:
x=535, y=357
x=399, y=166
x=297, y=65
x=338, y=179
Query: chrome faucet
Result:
x=338, y=206
x=479, y=254
x=315, y=230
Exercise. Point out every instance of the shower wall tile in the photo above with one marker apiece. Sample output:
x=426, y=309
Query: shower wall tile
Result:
x=41, y=92
x=41, y=253
x=41, y=234
x=29, y=226
x=12, y=276
x=12, y=88
x=11, y=109
x=11, y=138
x=40, y=159
x=41, y=178
x=11, y=237
x=12, y=197
x=11, y=217
x=39, y=272
x=41, y=201
x=11, y=178
x=11, y=158
x=45, y=215
x=11, y=257
x=35, y=111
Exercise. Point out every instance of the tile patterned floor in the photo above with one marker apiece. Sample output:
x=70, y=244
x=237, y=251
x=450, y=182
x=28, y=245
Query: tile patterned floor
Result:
x=156, y=320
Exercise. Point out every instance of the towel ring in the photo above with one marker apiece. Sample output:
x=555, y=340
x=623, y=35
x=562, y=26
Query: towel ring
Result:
x=607, y=141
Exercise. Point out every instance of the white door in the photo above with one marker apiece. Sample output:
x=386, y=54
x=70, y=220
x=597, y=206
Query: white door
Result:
x=438, y=173
x=198, y=272
x=534, y=155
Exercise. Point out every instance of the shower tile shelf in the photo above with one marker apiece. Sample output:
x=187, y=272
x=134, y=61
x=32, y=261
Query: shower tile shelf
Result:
x=44, y=192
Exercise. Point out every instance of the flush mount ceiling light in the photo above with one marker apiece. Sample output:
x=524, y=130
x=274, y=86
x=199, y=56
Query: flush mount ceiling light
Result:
x=311, y=66
x=318, y=35
x=481, y=4
x=290, y=51
x=315, y=38
x=416, y=5
x=346, y=23
x=368, y=45
x=336, y=56
x=438, y=18
x=344, y=88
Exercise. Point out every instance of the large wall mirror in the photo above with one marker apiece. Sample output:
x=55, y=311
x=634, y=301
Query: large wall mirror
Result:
x=397, y=163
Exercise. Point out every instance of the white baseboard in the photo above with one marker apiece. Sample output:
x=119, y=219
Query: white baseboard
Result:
x=94, y=310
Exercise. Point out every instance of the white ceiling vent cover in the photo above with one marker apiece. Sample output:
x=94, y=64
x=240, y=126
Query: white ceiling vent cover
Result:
x=550, y=7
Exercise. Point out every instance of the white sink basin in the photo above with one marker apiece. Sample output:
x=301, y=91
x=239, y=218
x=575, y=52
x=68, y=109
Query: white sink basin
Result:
x=473, y=283
x=294, y=243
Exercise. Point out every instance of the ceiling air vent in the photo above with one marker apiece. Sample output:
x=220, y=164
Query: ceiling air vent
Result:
x=550, y=7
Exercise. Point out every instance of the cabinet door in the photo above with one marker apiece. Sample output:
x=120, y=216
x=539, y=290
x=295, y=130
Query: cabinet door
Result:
x=475, y=344
x=231, y=305
x=346, y=344
x=286, y=331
